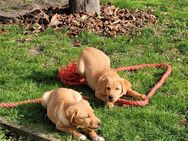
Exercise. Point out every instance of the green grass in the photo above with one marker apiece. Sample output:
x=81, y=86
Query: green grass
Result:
x=6, y=135
x=3, y=135
x=23, y=76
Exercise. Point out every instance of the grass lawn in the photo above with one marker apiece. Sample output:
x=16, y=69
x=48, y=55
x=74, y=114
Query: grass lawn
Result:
x=6, y=135
x=26, y=76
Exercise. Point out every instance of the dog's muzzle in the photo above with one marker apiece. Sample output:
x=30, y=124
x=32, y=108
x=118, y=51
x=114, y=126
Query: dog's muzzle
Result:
x=110, y=98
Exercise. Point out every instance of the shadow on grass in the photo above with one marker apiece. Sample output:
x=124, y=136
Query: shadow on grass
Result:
x=44, y=78
x=34, y=117
x=34, y=114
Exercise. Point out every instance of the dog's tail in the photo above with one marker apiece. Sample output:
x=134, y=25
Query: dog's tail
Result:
x=45, y=98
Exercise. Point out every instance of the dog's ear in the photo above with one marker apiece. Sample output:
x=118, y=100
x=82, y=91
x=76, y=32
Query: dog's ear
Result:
x=71, y=112
x=125, y=84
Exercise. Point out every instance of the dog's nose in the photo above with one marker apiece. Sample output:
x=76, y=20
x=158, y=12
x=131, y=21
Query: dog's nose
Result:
x=99, y=123
x=110, y=97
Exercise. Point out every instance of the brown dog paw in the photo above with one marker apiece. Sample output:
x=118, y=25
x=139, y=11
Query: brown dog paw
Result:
x=143, y=96
x=110, y=104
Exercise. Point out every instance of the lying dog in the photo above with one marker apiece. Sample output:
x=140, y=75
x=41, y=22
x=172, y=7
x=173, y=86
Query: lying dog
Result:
x=68, y=111
x=94, y=65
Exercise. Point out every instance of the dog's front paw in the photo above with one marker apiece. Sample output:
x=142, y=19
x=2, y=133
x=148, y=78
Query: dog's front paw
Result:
x=98, y=138
x=82, y=137
x=143, y=96
x=110, y=104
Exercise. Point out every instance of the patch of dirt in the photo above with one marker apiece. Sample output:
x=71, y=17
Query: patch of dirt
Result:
x=16, y=8
x=184, y=121
x=36, y=51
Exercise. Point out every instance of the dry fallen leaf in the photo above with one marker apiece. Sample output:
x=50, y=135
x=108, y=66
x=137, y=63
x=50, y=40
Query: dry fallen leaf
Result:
x=76, y=43
x=2, y=31
x=55, y=21
x=23, y=40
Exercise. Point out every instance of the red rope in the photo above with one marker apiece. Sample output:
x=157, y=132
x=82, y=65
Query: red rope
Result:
x=14, y=104
x=153, y=89
x=68, y=75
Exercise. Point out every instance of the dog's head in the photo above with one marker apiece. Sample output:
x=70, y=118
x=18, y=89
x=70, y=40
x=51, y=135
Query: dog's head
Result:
x=82, y=115
x=114, y=88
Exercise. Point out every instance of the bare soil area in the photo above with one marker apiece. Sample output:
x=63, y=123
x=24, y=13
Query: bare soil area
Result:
x=15, y=8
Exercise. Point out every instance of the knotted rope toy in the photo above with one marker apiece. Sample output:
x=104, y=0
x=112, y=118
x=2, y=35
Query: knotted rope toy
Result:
x=69, y=76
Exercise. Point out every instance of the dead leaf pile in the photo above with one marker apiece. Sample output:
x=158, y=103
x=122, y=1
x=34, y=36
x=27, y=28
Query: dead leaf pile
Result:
x=112, y=20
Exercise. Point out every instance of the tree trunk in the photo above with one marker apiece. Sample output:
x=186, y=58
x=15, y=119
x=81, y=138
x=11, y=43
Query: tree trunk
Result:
x=90, y=6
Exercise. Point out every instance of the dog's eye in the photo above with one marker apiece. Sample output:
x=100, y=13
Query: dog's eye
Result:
x=108, y=88
x=117, y=88
x=85, y=116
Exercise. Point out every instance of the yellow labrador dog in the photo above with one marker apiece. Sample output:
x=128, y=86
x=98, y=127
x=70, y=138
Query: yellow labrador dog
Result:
x=68, y=111
x=94, y=65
